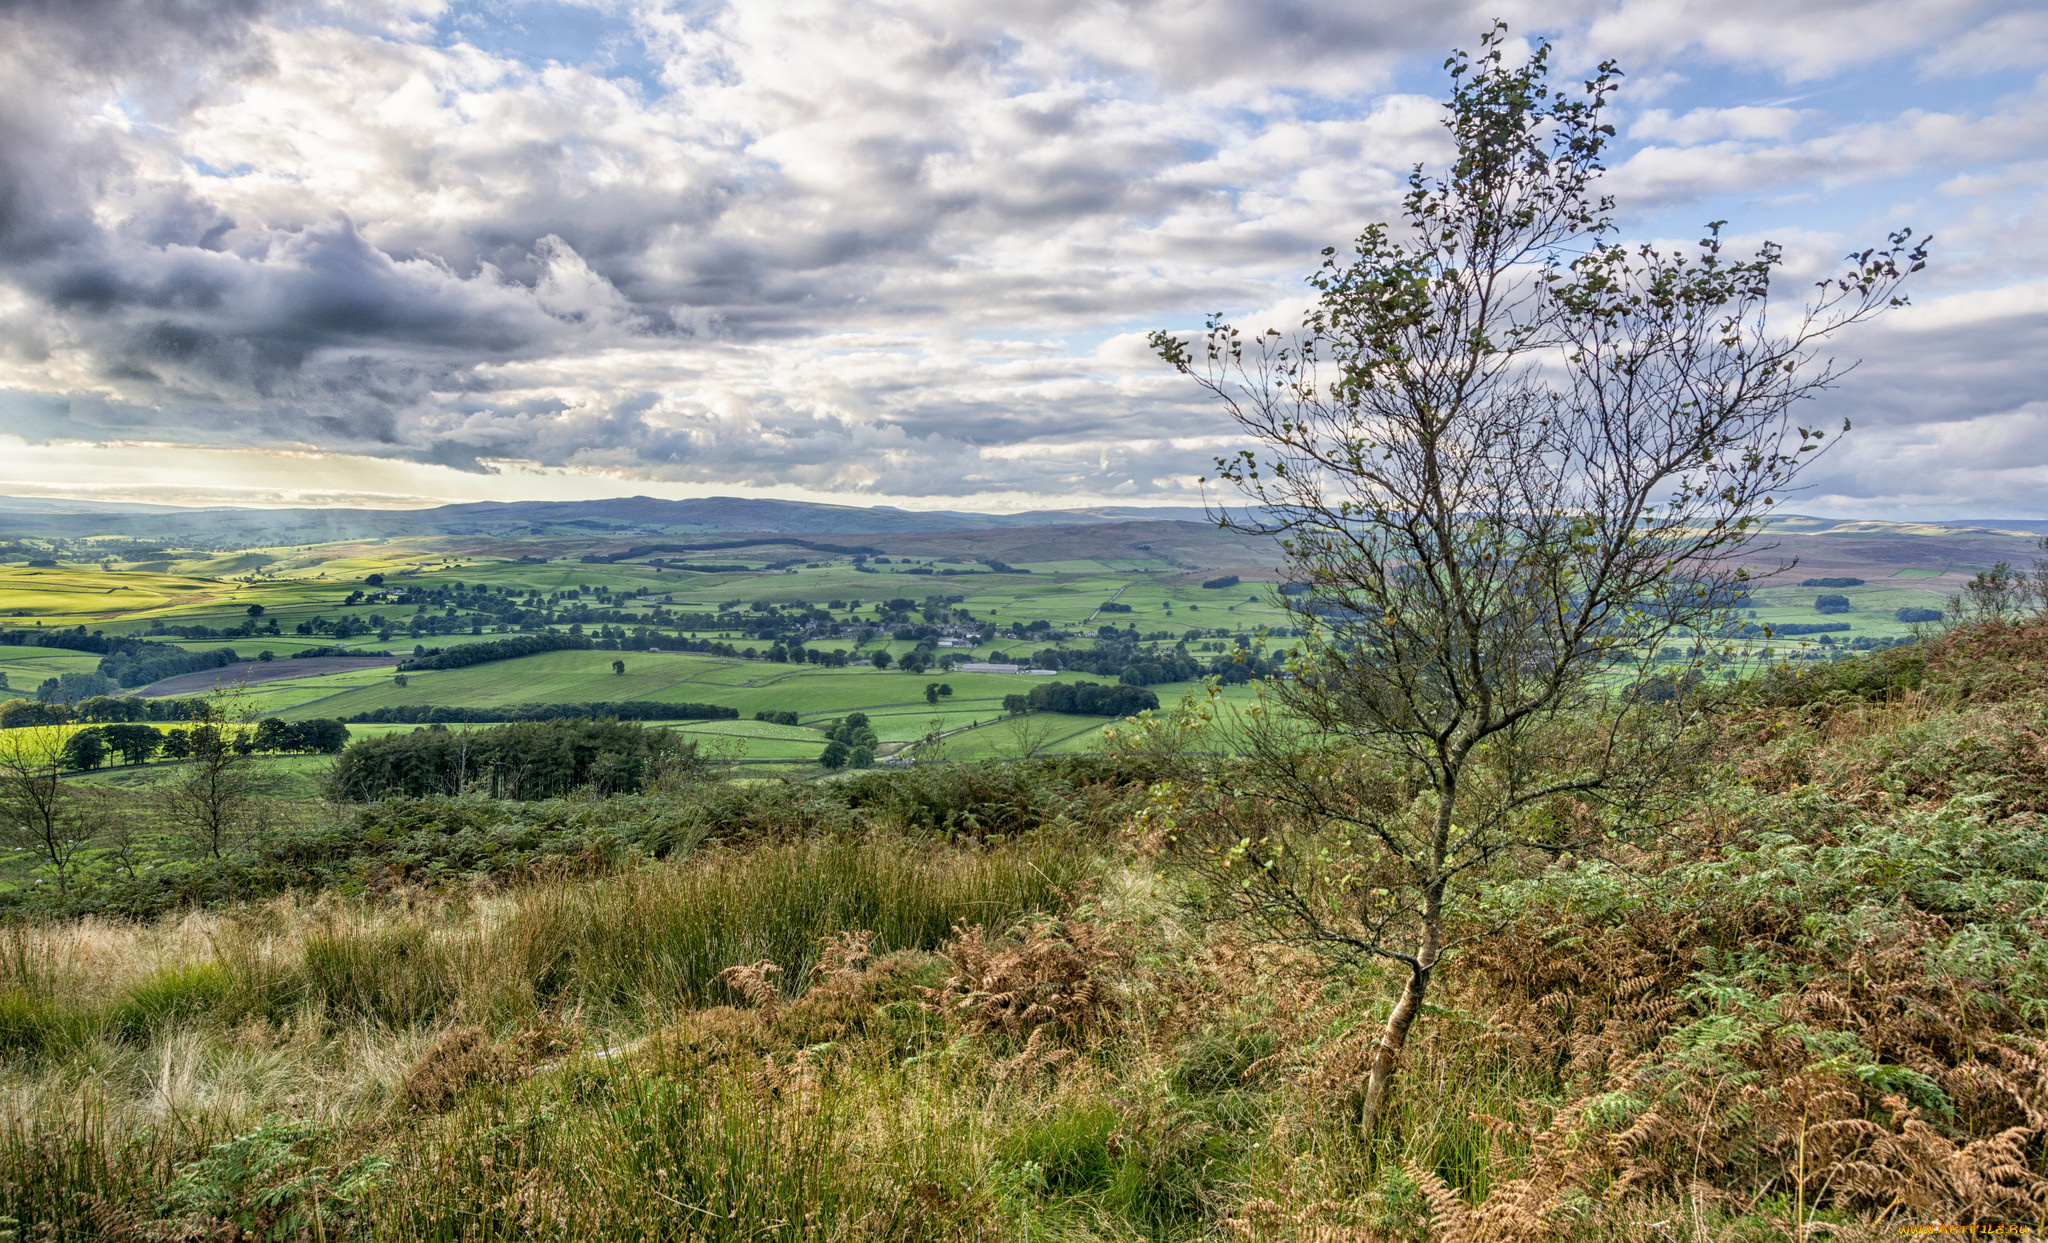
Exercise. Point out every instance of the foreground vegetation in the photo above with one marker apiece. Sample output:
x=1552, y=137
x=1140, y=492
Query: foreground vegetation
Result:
x=981, y=1001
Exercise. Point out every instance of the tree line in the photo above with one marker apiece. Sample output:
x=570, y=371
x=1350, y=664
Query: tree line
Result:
x=524, y=760
x=87, y=749
x=623, y=710
x=124, y=661
x=98, y=710
x=499, y=649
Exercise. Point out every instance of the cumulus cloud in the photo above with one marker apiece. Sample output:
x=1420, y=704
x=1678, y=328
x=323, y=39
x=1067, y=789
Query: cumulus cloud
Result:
x=881, y=247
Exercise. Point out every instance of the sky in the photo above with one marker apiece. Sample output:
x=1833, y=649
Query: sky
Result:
x=401, y=252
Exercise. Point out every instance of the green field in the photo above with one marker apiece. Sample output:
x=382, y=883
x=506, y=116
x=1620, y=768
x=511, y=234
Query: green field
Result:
x=435, y=594
x=205, y=603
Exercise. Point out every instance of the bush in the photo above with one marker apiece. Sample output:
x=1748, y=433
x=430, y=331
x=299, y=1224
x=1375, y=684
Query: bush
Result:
x=1221, y=584
x=1875, y=676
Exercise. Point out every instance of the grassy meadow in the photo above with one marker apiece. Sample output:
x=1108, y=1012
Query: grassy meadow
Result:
x=984, y=1001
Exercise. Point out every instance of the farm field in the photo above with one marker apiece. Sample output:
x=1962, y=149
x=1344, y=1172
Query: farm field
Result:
x=848, y=601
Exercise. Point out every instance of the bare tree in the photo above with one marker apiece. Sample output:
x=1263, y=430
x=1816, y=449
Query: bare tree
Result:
x=934, y=745
x=1030, y=734
x=212, y=801
x=1502, y=450
x=40, y=813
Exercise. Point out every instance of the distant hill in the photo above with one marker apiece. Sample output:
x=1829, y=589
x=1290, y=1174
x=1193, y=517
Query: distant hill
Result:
x=623, y=516
x=1803, y=524
x=1178, y=535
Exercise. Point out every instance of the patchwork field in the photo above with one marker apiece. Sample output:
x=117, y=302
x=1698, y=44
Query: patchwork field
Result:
x=1092, y=601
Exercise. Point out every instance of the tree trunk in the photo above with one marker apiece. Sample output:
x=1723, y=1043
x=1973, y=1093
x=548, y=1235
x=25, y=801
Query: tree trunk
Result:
x=1386, y=1059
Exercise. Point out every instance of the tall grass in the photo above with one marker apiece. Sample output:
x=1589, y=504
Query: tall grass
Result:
x=191, y=1030
x=649, y=942
x=644, y=1152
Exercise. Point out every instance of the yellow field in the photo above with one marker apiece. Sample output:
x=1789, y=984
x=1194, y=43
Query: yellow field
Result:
x=74, y=595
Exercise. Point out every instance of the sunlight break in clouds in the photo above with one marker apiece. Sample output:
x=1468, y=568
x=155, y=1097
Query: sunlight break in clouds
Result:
x=894, y=251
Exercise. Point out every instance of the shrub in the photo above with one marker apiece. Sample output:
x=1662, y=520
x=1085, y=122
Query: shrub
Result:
x=1874, y=676
x=462, y=1056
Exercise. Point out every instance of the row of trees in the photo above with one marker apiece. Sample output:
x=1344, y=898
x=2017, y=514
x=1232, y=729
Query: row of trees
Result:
x=99, y=710
x=596, y=710
x=1084, y=699
x=127, y=661
x=87, y=749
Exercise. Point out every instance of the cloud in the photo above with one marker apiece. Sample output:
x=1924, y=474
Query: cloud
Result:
x=900, y=248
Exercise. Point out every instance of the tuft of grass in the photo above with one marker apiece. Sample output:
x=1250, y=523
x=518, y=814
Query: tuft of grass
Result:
x=42, y=1026
x=172, y=996
x=395, y=976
